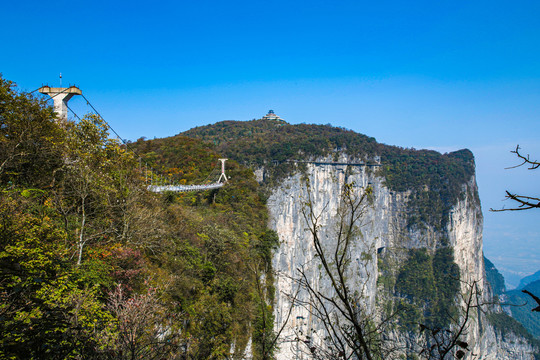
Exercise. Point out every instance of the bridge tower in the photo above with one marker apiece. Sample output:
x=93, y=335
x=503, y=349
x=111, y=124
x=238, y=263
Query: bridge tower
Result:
x=60, y=96
x=223, y=176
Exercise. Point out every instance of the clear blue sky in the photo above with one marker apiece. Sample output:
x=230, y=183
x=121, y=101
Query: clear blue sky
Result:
x=424, y=74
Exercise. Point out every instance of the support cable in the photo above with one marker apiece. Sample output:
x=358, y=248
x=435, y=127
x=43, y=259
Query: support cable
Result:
x=77, y=116
x=108, y=125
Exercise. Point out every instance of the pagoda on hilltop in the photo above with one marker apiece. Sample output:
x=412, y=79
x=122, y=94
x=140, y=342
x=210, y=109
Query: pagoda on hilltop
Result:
x=272, y=116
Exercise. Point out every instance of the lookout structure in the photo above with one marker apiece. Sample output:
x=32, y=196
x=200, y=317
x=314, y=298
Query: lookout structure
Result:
x=60, y=96
x=272, y=116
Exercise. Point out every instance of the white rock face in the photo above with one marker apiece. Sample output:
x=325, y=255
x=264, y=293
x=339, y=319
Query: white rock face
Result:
x=498, y=346
x=383, y=229
x=296, y=250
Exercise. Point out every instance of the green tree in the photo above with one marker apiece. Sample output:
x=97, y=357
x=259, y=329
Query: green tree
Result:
x=93, y=185
x=30, y=140
x=48, y=308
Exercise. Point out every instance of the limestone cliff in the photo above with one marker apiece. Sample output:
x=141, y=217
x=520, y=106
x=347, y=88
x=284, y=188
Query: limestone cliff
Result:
x=384, y=229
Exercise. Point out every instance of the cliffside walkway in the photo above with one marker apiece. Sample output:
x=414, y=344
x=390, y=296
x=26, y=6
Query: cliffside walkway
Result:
x=184, y=188
x=332, y=163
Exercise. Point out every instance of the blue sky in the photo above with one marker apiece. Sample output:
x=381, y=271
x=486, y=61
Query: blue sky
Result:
x=424, y=74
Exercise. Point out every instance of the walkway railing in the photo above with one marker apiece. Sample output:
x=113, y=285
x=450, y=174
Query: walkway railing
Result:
x=183, y=188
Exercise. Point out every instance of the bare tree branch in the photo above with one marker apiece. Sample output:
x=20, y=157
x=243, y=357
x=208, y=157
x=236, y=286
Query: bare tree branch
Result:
x=524, y=202
x=526, y=160
x=341, y=313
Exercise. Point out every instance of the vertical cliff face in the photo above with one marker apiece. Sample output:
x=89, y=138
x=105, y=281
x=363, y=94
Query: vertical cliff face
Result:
x=384, y=228
x=286, y=206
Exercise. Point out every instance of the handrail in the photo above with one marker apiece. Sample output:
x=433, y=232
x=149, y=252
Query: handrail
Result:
x=183, y=188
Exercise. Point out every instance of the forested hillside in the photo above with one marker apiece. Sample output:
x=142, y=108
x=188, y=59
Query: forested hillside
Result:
x=435, y=179
x=94, y=266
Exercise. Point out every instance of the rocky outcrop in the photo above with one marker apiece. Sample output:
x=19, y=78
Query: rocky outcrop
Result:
x=495, y=345
x=384, y=228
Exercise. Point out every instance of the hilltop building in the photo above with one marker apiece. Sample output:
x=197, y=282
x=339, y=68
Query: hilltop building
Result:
x=271, y=116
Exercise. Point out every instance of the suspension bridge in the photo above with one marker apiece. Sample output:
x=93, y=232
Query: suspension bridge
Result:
x=202, y=187
x=61, y=96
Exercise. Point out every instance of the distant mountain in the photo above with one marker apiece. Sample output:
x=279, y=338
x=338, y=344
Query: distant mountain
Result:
x=523, y=314
x=519, y=304
x=529, y=279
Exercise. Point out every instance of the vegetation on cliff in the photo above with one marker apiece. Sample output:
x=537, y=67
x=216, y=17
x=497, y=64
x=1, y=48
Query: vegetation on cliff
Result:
x=423, y=288
x=429, y=285
x=494, y=278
